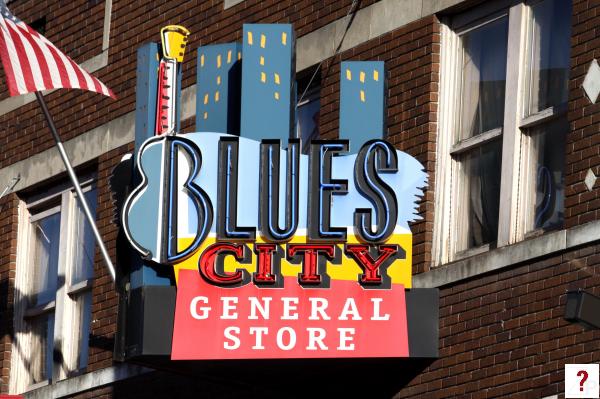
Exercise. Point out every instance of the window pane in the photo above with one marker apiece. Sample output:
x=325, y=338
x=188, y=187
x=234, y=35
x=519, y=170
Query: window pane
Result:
x=46, y=234
x=84, y=309
x=308, y=122
x=85, y=244
x=481, y=169
x=483, y=78
x=551, y=33
x=42, y=343
x=548, y=158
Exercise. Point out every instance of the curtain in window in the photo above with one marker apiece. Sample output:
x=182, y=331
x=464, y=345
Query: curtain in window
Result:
x=484, y=78
x=551, y=33
x=548, y=82
x=482, y=110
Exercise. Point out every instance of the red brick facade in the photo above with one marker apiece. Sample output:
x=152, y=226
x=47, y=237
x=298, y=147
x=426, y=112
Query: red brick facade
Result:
x=583, y=143
x=502, y=334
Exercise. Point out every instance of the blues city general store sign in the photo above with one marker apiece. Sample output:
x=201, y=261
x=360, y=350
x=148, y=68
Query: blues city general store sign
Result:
x=276, y=253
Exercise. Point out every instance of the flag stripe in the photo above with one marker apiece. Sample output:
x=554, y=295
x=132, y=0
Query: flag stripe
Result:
x=17, y=75
x=56, y=74
x=39, y=70
x=33, y=63
x=70, y=79
x=24, y=68
x=7, y=61
x=62, y=71
x=25, y=62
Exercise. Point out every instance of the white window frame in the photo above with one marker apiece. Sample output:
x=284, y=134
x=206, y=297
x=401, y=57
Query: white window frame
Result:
x=66, y=338
x=514, y=205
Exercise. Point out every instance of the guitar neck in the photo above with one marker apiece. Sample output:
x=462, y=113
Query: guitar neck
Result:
x=166, y=97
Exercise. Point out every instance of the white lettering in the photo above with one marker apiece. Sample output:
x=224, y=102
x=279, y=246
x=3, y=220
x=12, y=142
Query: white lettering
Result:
x=316, y=336
x=204, y=309
x=259, y=332
x=377, y=310
x=346, y=336
x=350, y=309
x=292, y=338
x=288, y=308
x=229, y=334
x=263, y=308
x=318, y=306
x=229, y=305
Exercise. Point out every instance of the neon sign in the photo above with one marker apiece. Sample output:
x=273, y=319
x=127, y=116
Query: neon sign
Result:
x=279, y=254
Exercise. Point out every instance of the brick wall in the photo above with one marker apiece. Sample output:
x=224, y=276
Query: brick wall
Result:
x=411, y=56
x=105, y=299
x=503, y=335
x=583, y=142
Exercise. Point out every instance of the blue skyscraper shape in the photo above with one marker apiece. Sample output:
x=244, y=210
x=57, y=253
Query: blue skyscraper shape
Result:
x=218, y=88
x=268, y=82
x=362, y=101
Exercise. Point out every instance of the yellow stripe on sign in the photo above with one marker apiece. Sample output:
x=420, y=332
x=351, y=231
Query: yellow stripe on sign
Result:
x=219, y=61
x=250, y=38
x=400, y=271
x=262, y=60
x=263, y=77
x=362, y=77
x=218, y=80
x=229, y=57
x=239, y=55
x=276, y=95
x=348, y=74
x=362, y=96
x=202, y=60
x=206, y=99
x=217, y=96
x=283, y=38
x=376, y=75
x=277, y=78
x=206, y=115
x=263, y=41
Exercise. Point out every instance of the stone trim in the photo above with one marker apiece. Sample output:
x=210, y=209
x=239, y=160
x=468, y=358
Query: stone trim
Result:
x=510, y=255
x=87, y=381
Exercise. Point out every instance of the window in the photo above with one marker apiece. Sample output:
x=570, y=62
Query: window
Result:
x=53, y=298
x=502, y=126
x=39, y=25
x=308, y=107
x=307, y=125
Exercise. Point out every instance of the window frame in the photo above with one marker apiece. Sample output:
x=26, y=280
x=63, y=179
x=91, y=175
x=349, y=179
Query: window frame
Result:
x=61, y=199
x=515, y=132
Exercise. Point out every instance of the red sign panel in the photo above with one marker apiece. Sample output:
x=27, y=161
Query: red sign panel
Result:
x=248, y=322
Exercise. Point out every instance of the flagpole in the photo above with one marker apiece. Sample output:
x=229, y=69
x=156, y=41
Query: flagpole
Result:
x=86, y=209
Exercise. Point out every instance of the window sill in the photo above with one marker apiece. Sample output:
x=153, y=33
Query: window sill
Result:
x=87, y=381
x=467, y=253
x=510, y=255
x=39, y=385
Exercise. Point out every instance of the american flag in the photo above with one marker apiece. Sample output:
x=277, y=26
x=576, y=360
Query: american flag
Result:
x=32, y=63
